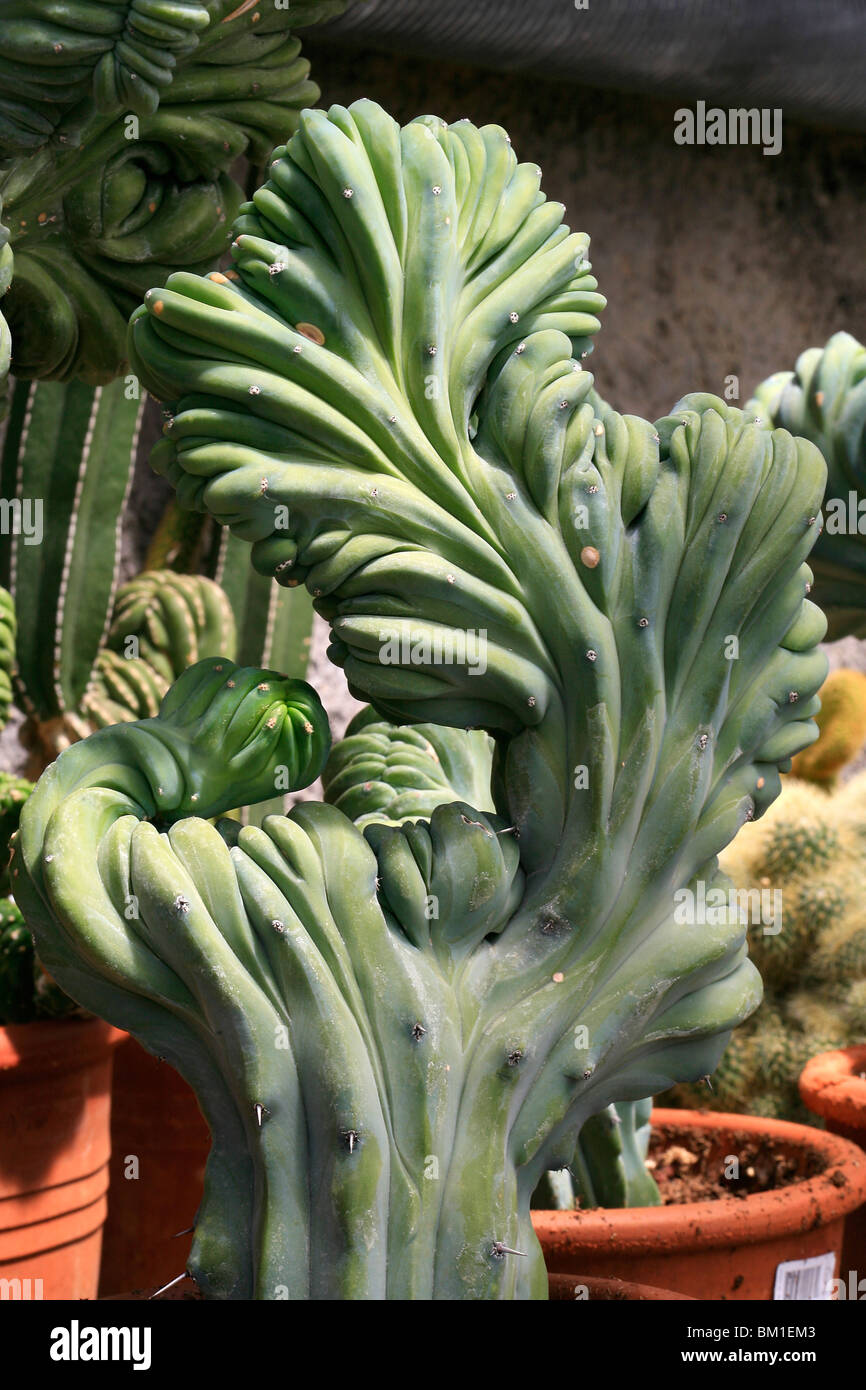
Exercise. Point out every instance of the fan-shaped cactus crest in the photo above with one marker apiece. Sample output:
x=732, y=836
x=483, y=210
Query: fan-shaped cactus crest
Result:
x=397, y=1026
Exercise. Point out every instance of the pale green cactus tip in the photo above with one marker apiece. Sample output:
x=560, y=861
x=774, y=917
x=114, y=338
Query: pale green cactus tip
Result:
x=121, y=121
x=824, y=400
x=388, y=404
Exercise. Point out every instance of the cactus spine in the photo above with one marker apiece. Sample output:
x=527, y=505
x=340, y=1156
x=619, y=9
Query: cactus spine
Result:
x=388, y=404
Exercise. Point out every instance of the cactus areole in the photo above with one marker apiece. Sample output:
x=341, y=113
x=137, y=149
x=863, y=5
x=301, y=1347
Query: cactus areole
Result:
x=395, y=1028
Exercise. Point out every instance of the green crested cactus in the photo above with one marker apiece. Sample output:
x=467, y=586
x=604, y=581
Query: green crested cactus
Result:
x=395, y=1033
x=382, y=773
x=808, y=940
x=123, y=119
x=841, y=722
x=824, y=400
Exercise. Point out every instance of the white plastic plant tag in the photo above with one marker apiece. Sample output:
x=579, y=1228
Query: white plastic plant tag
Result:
x=805, y=1279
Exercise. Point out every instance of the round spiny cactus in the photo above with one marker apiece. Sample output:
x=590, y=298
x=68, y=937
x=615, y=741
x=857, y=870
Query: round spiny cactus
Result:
x=810, y=848
x=842, y=722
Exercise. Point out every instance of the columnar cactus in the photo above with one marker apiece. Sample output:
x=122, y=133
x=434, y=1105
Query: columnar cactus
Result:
x=806, y=858
x=824, y=400
x=8, y=631
x=66, y=468
x=74, y=668
x=396, y=1032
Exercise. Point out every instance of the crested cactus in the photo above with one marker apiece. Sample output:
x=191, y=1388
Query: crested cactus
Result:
x=841, y=722
x=381, y=773
x=396, y=1032
x=808, y=939
x=824, y=400
x=124, y=119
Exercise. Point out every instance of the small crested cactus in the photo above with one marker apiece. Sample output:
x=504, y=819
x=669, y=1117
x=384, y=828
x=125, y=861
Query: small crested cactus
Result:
x=396, y=1029
x=841, y=721
x=806, y=858
x=381, y=773
x=824, y=399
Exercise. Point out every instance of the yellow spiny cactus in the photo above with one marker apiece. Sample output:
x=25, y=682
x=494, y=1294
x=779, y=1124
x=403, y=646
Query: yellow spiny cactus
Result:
x=807, y=859
x=842, y=722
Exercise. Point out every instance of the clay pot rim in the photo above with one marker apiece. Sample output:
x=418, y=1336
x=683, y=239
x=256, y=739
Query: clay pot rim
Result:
x=830, y=1088
x=610, y=1289
x=701, y=1225
x=55, y=1044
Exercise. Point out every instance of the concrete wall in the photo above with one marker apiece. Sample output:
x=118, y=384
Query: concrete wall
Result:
x=715, y=260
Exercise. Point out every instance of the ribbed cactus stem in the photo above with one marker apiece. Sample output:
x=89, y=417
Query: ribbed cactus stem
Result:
x=61, y=562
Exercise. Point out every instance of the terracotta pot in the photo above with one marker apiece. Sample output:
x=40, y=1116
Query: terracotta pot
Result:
x=833, y=1085
x=725, y=1249
x=55, y=1098
x=155, y=1119
x=579, y=1287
